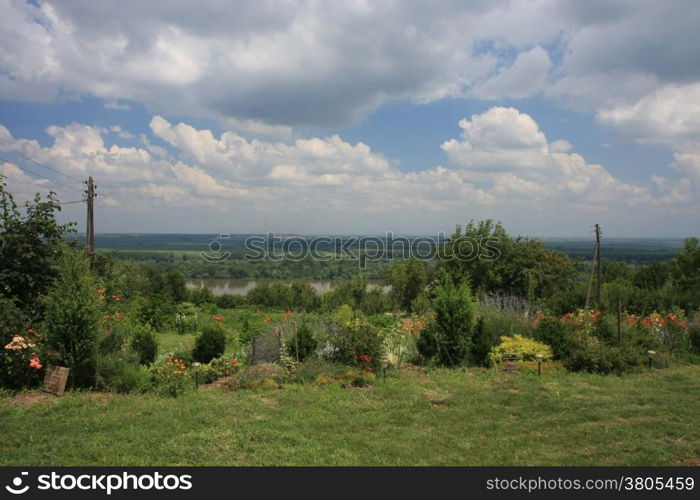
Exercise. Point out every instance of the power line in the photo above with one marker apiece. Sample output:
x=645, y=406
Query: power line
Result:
x=29, y=171
x=5, y=148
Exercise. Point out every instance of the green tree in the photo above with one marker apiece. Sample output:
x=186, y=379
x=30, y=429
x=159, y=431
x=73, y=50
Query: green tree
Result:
x=448, y=338
x=71, y=318
x=685, y=275
x=30, y=244
x=408, y=280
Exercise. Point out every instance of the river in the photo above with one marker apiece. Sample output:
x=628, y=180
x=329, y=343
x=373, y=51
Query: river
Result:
x=241, y=286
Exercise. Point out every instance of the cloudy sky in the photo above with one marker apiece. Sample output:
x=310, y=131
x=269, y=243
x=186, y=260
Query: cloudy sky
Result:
x=357, y=116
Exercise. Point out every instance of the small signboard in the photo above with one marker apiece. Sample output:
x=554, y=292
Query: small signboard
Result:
x=55, y=380
x=510, y=363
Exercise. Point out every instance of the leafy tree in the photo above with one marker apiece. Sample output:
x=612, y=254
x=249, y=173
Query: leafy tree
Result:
x=408, y=280
x=71, y=318
x=685, y=274
x=493, y=262
x=448, y=338
x=29, y=246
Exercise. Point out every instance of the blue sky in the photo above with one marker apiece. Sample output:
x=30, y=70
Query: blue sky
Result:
x=357, y=117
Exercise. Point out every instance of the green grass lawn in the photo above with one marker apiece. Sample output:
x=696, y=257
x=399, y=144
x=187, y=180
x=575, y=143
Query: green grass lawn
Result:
x=444, y=417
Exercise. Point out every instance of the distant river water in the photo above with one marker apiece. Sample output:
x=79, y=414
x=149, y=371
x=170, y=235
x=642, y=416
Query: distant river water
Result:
x=241, y=286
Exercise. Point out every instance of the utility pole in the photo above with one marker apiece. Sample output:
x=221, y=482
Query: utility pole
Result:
x=599, y=272
x=595, y=269
x=90, y=230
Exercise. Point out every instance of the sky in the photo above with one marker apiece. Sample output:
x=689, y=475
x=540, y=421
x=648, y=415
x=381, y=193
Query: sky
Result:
x=356, y=117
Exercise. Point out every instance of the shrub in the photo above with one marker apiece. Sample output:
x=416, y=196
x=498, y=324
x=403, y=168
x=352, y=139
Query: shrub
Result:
x=606, y=359
x=554, y=333
x=229, y=301
x=357, y=343
x=217, y=368
x=694, y=337
x=144, y=344
x=482, y=343
x=302, y=344
x=121, y=372
x=526, y=349
x=170, y=377
x=210, y=344
x=20, y=364
x=255, y=376
x=448, y=338
x=72, y=319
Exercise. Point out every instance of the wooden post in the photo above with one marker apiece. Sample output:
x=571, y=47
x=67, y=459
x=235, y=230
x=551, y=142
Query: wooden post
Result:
x=619, y=320
x=90, y=228
x=296, y=340
x=599, y=272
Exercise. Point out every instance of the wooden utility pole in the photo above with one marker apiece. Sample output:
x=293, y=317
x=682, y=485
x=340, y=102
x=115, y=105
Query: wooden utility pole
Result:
x=90, y=230
x=595, y=269
x=599, y=272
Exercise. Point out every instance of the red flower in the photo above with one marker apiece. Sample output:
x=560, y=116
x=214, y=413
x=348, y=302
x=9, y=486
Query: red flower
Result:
x=365, y=358
x=30, y=330
x=368, y=368
x=234, y=362
x=217, y=318
x=108, y=333
x=35, y=363
x=116, y=298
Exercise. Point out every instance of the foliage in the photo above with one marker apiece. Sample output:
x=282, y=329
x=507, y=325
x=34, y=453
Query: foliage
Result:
x=121, y=372
x=400, y=341
x=408, y=280
x=524, y=348
x=262, y=375
x=144, y=344
x=493, y=262
x=186, y=318
x=555, y=333
x=448, y=337
x=302, y=344
x=170, y=377
x=209, y=344
x=21, y=364
x=357, y=343
x=29, y=245
x=71, y=319
x=223, y=366
x=483, y=341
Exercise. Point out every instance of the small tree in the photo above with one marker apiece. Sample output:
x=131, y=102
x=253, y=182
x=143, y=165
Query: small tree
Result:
x=72, y=308
x=448, y=337
x=29, y=244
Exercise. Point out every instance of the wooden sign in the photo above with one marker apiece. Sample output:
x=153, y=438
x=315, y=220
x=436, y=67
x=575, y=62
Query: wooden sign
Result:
x=510, y=363
x=55, y=380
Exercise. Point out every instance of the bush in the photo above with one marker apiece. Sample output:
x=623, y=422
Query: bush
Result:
x=144, y=344
x=482, y=343
x=448, y=338
x=72, y=319
x=554, y=333
x=607, y=359
x=228, y=301
x=263, y=375
x=303, y=344
x=210, y=344
x=121, y=372
x=170, y=377
x=217, y=368
x=526, y=349
x=357, y=343
x=694, y=337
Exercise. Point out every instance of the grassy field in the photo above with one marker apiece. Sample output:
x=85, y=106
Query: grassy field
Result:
x=442, y=417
